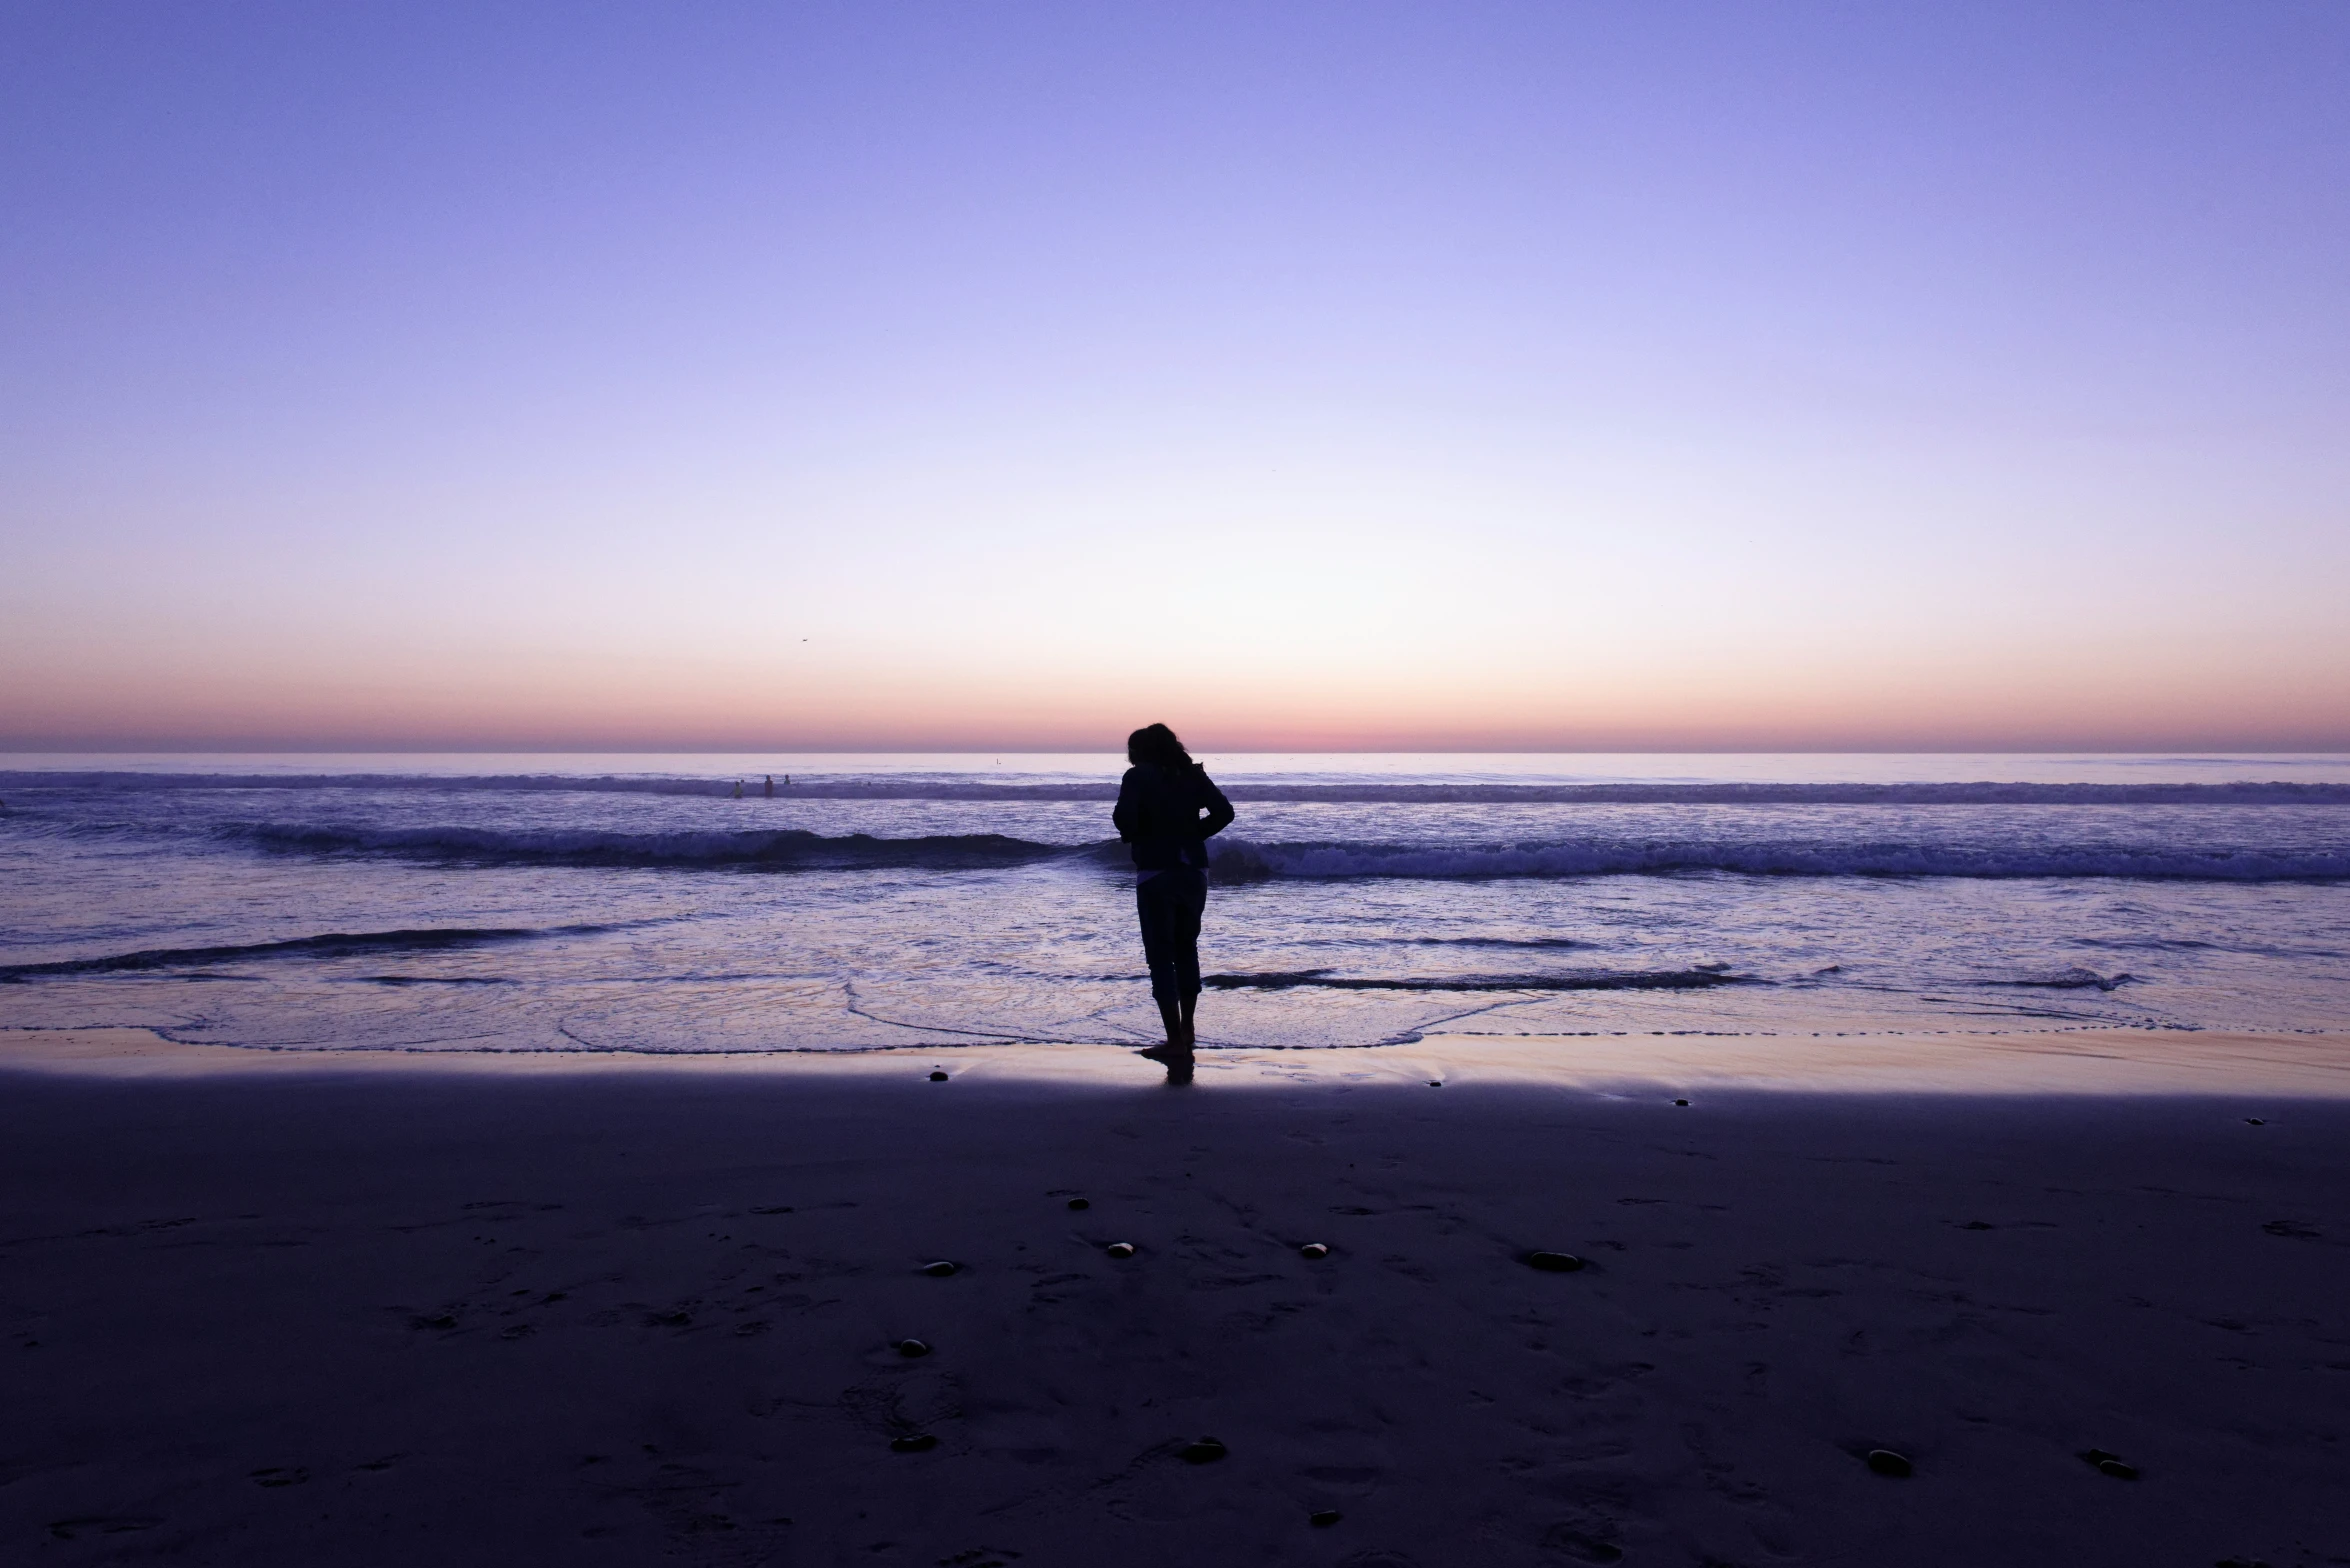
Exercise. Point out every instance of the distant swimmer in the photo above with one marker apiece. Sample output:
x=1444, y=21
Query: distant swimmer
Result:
x=770, y=786
x=738, y=789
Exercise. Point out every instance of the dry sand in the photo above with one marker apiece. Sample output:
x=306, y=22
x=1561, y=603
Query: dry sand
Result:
x=267, y=1308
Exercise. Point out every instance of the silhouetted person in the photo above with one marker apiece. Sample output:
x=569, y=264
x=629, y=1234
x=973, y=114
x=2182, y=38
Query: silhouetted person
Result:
x=770, y=786
x=1168, y=808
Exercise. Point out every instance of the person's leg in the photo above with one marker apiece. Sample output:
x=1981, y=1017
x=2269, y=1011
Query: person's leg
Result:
x=1155, y=910
x=1194, y=905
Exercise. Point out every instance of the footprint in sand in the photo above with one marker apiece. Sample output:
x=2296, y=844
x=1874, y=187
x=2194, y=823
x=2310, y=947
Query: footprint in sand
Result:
x=102, y=1524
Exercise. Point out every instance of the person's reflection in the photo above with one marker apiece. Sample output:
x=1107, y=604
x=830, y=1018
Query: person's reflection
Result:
x=1176, y=1059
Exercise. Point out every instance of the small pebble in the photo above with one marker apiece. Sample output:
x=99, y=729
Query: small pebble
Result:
x=910, y=1348
x=1324, y=1517
x=938, y=1077
x=941, y=1269
x=2256, y=1121
x=1206, y=1451
x=1680, y=1102
x=1313, y=1249
x=1554, y=1262
x=1120, y=1249
x=1884, y=1461
x=2117, y=1469
x=1080, y=1203
x=913, y=1443
x=1434, y=1083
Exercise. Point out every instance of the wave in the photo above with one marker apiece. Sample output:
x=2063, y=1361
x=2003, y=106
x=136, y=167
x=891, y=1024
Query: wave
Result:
x=775, y=849
x=2075, y=978
x=35, y=782
x=330, y=944
x=1596, y=980
x=1539, y=942
x=1239, y=861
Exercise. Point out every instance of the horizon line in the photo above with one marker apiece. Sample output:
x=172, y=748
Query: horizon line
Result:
x=1029, y=750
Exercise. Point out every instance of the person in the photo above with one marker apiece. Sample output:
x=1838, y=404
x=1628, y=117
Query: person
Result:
x=770, y=786
x=1168, y=808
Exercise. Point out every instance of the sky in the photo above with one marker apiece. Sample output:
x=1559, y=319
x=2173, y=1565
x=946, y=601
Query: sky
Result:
x=1474, y=376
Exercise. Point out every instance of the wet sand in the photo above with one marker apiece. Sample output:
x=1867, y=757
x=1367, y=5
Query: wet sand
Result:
x=267, y=1308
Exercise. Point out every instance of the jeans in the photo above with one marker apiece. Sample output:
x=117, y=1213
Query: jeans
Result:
x=1170, y=905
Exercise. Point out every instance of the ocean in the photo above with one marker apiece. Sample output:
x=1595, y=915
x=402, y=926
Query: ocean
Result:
x=635, y=903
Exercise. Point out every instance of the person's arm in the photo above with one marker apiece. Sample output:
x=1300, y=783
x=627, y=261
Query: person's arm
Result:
x=1219, y=809
x=1128, y=815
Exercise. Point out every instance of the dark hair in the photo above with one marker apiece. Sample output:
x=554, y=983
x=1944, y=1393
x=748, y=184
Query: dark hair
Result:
x=1156, y=743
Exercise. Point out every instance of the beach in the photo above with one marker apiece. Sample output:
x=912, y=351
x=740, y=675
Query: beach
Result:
x=374, y=1307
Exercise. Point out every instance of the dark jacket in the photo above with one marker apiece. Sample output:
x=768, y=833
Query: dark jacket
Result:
x=1169, y=814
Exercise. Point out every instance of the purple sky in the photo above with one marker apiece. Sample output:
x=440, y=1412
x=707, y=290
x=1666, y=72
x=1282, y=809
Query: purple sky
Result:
x=1482, y=375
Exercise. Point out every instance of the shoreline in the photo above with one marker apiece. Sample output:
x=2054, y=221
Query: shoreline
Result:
x=2077, y=1061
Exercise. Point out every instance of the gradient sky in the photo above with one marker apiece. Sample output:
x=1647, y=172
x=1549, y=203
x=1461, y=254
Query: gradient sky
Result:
x=1436, y=375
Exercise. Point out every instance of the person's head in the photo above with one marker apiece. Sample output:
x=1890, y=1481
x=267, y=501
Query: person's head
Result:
x=1156, y=743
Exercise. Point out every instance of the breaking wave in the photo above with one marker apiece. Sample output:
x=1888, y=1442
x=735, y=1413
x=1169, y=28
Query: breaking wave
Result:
x=2075, y=978
x=1236, y=860
x=781, y=849
x=1240, y=861
x=1594, y=980
x=330, y=944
